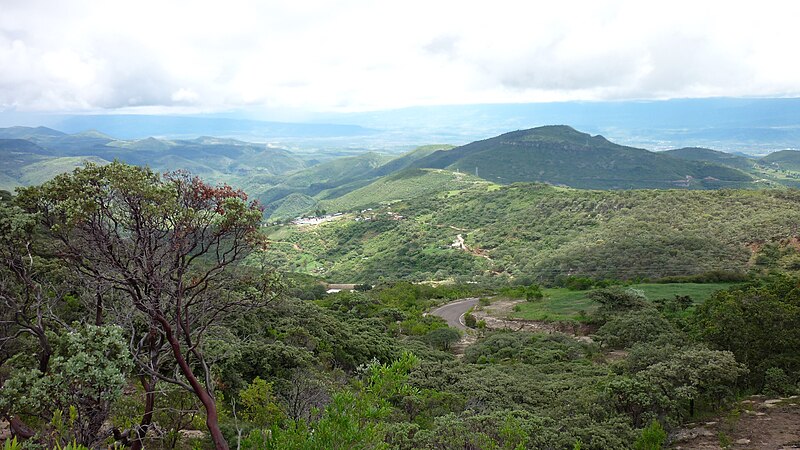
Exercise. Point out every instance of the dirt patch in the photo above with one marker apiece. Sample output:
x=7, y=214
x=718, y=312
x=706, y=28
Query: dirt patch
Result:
x=467, y=339
x=757, y=423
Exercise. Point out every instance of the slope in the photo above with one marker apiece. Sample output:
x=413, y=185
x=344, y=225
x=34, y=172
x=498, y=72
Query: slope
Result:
x=335, y=178
x=712, y=156
x=404, y=185
x=561, y=155
x=545, y=232
x=782, y=160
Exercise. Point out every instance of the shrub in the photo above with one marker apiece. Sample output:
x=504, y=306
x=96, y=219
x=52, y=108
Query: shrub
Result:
x=776, y=382
x=651, y=438
x=470, y=320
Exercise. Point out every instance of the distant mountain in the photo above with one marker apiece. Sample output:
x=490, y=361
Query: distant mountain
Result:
x=712, y=156
x=333, y=179
x=22, y=146
x=139, y=126
x=33, y=155
x=783, y=160
x=29, y=133
x=561, y=155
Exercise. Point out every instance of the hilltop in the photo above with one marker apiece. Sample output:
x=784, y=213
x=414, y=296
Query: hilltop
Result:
x=291, y=183
x=563, y=156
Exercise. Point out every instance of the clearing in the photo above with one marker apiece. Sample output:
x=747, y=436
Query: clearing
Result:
x=564, y=304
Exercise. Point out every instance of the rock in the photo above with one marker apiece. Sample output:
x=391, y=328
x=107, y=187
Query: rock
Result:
x=691, y=433
x=743, y=441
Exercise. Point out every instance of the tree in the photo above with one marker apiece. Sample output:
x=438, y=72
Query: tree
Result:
x=757, y=323
x=259, y=405
x=86, y=373
x=533, y=293
x=442, y=338
x=696, y=374
x=163, y=244
x=31, y=287
x=616, y=300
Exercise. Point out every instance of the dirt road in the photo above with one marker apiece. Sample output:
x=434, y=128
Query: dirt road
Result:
x=453, y=312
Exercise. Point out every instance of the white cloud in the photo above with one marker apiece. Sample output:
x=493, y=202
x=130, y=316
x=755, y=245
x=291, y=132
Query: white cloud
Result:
x=359, y=54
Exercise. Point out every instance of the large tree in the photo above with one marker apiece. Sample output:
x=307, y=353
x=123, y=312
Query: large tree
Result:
x=166, y=246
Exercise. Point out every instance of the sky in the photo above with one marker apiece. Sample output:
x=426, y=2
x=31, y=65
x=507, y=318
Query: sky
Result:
x=177, y=56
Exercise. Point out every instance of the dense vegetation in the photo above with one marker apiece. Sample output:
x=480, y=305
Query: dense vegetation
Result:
x=563, y=156
x=539, y=231
x=153, y=311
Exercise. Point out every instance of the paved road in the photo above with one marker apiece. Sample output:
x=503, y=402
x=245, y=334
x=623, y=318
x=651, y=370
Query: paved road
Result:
x=453, y=312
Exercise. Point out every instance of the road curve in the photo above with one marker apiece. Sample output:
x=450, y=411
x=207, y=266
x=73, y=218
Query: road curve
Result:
x=453, y=312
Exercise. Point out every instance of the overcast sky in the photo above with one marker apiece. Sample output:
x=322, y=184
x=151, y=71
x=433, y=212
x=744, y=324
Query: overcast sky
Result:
x=222, y=55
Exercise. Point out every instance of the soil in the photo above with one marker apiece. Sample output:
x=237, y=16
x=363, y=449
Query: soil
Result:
x=757, y=423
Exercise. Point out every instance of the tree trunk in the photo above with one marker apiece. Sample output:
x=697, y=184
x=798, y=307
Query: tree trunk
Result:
x=46, y=352
x=147, y=418
x=212, y=418
x=98, y=309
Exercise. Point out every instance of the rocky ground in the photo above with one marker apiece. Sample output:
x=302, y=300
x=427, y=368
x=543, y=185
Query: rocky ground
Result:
x=756, y=423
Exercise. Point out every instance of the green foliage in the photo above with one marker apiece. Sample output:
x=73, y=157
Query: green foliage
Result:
x=631, y=327
x=259, y=405
x=757, y=323
x=86, y=374
x=651, y=438
x=353, y=418
x=527, y=348
x=470, y=320
x=12, y=444
x=443, y=338
x=777, y=383
x=586, y=234
x=617, y=300
x=404, y=185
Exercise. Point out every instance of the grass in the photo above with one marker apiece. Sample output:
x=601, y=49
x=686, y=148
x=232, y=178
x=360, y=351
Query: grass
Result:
x=564, y=304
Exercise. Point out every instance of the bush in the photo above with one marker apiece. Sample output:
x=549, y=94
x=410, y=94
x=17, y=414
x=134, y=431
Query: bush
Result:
x=777, y=383
x=470, y=320
x=652, y=437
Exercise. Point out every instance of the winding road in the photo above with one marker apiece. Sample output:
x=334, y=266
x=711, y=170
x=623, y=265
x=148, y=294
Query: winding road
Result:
x=453, y=312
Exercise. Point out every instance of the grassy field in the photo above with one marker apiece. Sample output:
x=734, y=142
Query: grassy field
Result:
x=564, y=304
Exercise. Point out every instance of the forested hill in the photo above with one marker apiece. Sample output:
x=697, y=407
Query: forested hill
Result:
x=563, y=156
x=545, y=232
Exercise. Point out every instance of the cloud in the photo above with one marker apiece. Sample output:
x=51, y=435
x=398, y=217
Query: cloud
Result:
x=357, y=54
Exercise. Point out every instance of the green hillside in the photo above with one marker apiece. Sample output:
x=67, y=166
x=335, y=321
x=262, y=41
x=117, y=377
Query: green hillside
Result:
x=563, y=156
x=546, y=232
x=783, y=160
x=42, y=171
x=335, y=178
x=408, y=184
x=32, y=155
x=291, y=206
x=7, y=183
x=712, y=156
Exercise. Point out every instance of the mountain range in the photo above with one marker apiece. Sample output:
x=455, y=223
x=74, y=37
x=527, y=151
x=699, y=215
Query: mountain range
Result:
x=291, y=183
